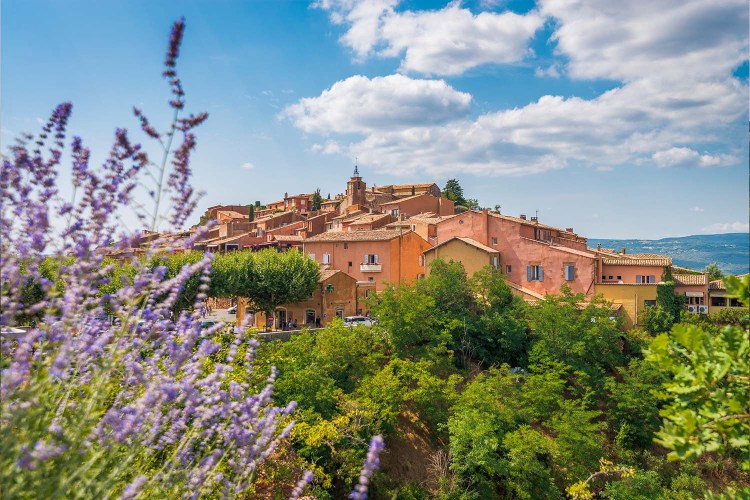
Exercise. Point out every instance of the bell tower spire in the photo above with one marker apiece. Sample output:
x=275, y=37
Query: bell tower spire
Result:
x=356, y=170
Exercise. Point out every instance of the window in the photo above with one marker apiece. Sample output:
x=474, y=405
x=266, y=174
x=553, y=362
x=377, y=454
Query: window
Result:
x=619, y=278
x=346, y=245
x=604, y=278
x=644, y=279
x=461, y=221
x=311, y=255
x=508, y=269
x=649, y=303
x=494, y=240
x=367, y=293
x=413, y=227
x=719, y=301
x=394, y=212
x=370, y=279
x=534, y=273
x=326, y=258
x=421, y=260
x=302, y=202
x=611, y=278
x=734, y=303
x=570, y=272
x=350, y=263
x=371, y=259
x=231, y=246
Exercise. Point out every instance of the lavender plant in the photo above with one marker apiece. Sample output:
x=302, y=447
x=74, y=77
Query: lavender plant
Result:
x=92, y=408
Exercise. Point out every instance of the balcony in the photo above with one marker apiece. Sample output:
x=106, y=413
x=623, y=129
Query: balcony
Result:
x=370, y=268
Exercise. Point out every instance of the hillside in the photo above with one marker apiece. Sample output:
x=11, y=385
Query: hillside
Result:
x=730, y=251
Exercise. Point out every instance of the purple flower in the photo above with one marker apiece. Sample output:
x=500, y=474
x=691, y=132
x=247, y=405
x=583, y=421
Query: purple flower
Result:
x=372, y=462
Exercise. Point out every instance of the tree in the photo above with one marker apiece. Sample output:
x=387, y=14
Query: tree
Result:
x=714, y=273
x=328, y=197
x=316, y=200
x=709, y=392
x=281, y=278
x=257, y=204
x=454, y=192
x=413, y=191
x=251, y=213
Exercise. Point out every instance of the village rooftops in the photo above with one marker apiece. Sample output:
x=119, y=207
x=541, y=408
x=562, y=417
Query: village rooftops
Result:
x=535, y=223
x=468, y=241
x=368, y=219
x=634, y=259
x=690, y=279
x=345, y=236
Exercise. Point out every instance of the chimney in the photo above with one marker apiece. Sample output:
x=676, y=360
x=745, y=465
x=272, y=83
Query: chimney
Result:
x=569, y=229
x=599, y=246
x=286, y=195
x=623, y=251
x=523, y=217
x=534, y=219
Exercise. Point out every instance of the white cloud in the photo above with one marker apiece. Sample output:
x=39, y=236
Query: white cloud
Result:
x=686, y=157
x=729, y=227
x=247, y=166
x=677, y=95
x=330, y=147
x=551, y=71
x=441, y=42
x=362, y=105
x=697, y=209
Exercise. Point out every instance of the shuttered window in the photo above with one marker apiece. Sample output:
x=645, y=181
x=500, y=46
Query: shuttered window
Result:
x=570, y=272
x=534, y=273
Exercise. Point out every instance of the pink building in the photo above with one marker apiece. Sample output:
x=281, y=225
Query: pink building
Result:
x=534, y=256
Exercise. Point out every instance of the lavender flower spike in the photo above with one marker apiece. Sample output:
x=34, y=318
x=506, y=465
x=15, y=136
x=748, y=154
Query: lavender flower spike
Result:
x=300, y=486
x=372, y=462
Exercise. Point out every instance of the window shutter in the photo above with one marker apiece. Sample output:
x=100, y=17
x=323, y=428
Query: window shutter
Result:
x=528, y=273
x=375, y=259
x=367, y=259
x=541, y=273
x=639, y=279
x=652, y=279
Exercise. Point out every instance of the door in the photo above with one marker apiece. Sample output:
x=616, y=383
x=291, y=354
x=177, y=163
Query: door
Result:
x=281, y=317
x=309, y=317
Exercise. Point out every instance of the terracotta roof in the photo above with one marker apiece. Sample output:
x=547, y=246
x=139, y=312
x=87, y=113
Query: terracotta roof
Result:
x=636, y=259
x=287, y=237
x=399, y=200
x=689, y=279
x=326, y=274
x=529, y=222
x=407, y=186
x=716, y=285
x=230, y=238
x=468, y=241
x=369, y=218
x=374, y=235
x=525, y=291
x=581, y=253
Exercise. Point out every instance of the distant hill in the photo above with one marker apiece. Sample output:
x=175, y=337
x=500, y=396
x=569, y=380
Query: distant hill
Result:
x=730, y=251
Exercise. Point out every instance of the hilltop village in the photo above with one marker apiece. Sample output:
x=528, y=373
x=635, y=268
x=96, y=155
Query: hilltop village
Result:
x=372, y=236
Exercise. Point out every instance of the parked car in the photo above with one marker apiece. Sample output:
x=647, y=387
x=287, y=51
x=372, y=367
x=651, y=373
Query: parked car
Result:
x=352, y=321
x=207, y=324
x=232, y=310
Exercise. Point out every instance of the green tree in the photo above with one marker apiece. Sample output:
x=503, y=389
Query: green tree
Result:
x=530, y=455
x=281, y=278
x=454, y=192
x=251, y=213
x=316, y=200
x=714, y=273
x=708, y=407
x=257, y=204
x=267, y=278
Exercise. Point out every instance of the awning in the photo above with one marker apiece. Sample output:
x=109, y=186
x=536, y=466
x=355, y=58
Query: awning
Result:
x=694, y=294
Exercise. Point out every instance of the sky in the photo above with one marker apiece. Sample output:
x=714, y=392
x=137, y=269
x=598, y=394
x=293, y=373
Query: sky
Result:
x=619, y=119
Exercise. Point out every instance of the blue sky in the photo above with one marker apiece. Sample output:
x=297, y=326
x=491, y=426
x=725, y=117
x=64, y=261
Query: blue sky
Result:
x=622, y=119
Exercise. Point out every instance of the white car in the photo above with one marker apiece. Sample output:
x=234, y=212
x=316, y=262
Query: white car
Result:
x=232, y=310
x=352, y=321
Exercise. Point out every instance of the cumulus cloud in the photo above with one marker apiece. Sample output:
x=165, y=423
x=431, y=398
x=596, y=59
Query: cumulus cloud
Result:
x=330, y=147
x=676, y=97
x=697, y=209
x=437, y=42
x=362, y=105
x=728, y=227
x=247, y=166
x=686, y=157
